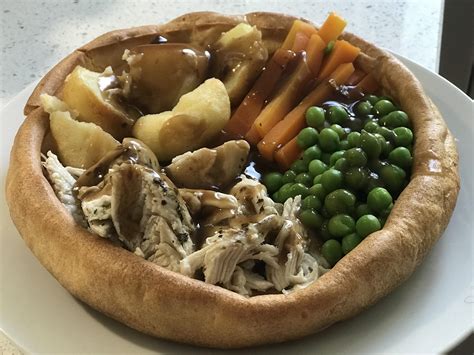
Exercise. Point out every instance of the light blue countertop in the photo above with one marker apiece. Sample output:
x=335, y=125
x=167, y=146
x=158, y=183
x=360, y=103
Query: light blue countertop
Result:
x=35, y=35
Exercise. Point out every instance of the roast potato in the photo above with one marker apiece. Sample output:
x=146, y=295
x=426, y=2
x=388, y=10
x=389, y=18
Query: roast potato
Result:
x=198, y=116
x=239, y=56
x=162, y=73
x=79, y=144
x=81, y=92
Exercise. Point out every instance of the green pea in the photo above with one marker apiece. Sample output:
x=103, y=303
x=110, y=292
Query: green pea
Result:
x=340, y=201
x=371, y=126
x=349, y=242
x=395, y=119
x=299, y=166
x=363, y=108
x=344, y=145
x=383, y=107
x=387, y=147
x=288, y=176
x=336, y=114
x=401, y=157
x=328, y=49
x=370, y=145
x=367, y=224
x=284, y=192
x=356, y=178
x=311, y=202
x=386, y=133
x=386, y=211
x=353, y=138
x=362, y=209
x=341, y=165
x=325, y=157
x=372, y=99
x=403, y=136
x=317, y=179
x=307, y=137
x=393, y=177
x=332, y=179
x=335, y=157
x=273, y=181
x=380, y=138
x=332, y=251
x=382, y=221
x=318, y=191
x=310, y=218
x=311, y=153
x=341, y=225
x=325, y=213
x=276, y=197
x=299, y=189
x=317, y=167
x=324, y=231
x=339, y=130
x=373, y=182
x=315, y=116
x=329, y=140
x=375, y=165
x=305, y=179
x=356, y=157
x=379, y=199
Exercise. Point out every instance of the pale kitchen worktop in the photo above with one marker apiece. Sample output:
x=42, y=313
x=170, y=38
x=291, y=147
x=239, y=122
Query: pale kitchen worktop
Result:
x=35, y=35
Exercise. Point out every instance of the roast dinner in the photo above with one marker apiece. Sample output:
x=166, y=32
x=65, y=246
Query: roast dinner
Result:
x=230, y=181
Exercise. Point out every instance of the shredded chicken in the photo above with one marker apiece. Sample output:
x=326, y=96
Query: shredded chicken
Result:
x=249, y=244
x=63, y=182
x=257, y=231
x=144, y=210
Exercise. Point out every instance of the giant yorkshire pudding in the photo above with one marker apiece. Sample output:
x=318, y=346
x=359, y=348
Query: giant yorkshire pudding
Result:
x=169, y=305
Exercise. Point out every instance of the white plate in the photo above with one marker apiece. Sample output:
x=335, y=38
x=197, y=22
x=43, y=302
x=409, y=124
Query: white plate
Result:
x=429, y=313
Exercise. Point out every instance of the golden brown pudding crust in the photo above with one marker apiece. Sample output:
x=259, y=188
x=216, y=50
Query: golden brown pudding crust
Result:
x=156, y=301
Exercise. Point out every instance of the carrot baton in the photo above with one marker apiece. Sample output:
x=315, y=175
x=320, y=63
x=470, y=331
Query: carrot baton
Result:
x=244, y=116
x=343, y=52
x=252, y=136
x=300, y=43
x=289, y=153
x=298, y=26
x=293, y=89
x=332, y=28
x=289, y=127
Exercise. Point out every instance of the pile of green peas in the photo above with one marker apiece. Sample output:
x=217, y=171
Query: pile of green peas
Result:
x=356, y=161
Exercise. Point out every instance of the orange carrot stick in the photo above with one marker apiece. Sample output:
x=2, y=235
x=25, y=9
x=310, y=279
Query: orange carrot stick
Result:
x=298, y=27
x=315, y=53
x=332, y=27
x=244, y=116
x=368, y=85
x=289, y=127
x=252, y=136
x=292, y=90
x=343, y=52
x=289, y=153
x=300, y=43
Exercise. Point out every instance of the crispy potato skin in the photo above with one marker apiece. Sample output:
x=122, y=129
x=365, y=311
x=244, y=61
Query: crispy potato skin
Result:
x=171, y=306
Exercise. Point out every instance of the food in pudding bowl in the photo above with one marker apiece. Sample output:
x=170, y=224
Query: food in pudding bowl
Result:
x=229, y=181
